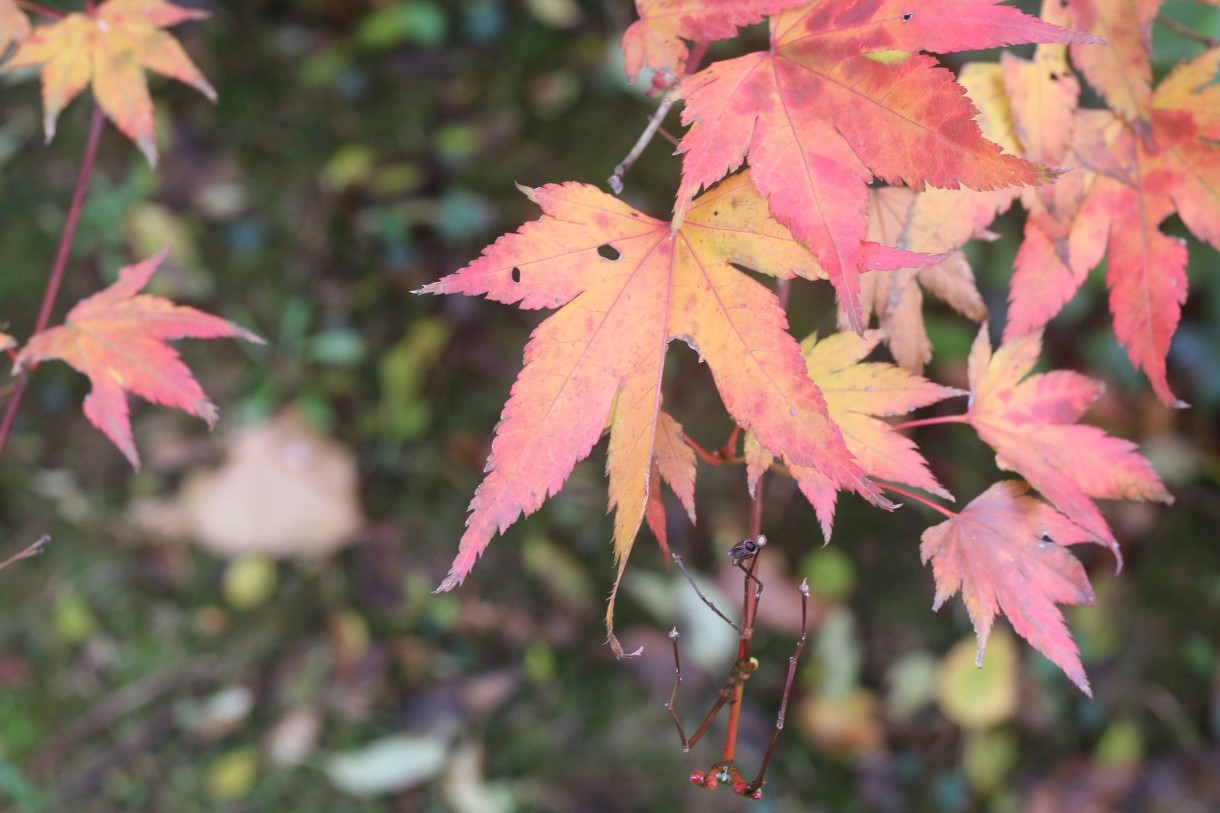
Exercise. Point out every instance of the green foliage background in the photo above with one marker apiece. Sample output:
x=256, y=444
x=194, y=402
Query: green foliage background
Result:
x=360, y=150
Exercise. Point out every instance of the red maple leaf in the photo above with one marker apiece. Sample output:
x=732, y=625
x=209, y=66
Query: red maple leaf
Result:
x=1005, y=553
x=117, y=338
x=1031, y=424
x=837, y=101
x=1129, y=173
x=626, y=285
x=658, y=39
x=1175, y=167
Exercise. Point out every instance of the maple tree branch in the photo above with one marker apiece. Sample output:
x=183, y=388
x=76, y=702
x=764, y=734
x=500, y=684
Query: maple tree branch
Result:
x=616, y=180
x=729, y=448
x=931, y=421
x=723, y=455
x=1187, y=31
x=61, y=262
x=911, y=495
x=703, y=454
x=33, y=550
x=35, y=8
x=73, y=218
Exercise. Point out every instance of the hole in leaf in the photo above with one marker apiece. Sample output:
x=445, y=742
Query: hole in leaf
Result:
x=609, y=252
x=516, y=275
x=910, y=15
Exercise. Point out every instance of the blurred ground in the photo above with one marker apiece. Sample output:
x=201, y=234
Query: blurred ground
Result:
x=247, y=624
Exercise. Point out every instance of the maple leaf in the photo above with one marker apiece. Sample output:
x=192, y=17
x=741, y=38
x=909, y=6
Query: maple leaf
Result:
x=1031, y=425
x=1176, y=167
x=835, y=102
x=1048, y=268
x=1122, y=73
x=945, y=219
x=896, y=296
x=857, y=394
x=117, y=338
x=14, y=25
x=108, y=48
x=1005, y=553
x=656, y=39
x=626, y=286
x=1126, y=179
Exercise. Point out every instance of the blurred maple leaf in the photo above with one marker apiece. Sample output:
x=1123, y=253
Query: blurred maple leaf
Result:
x=1005, y=552
x=896, y=297
x=14, y=25
x=109, y=47
x=1030, y=423
x=626, y=286
x=117, y=338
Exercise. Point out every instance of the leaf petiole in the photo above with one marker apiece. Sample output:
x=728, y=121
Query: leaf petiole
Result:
x=931, y=421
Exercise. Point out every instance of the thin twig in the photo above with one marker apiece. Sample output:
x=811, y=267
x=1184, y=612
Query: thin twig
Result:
x=682, y=566
x=616, y=180
x=32, y=550
x=61, y=261
x=1187, y=31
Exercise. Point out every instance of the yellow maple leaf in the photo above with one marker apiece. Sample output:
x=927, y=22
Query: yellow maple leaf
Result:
x=108, y=48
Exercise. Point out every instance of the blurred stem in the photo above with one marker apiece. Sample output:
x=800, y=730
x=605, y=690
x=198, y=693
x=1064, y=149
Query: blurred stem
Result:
x=32, y=550
x=931, y=421
x=1188, y=32
x=61, y=262
x=35, y=8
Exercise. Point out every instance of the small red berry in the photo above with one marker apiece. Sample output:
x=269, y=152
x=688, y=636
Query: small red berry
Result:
x=696, y=777
x=740, y=787
x=710, y=782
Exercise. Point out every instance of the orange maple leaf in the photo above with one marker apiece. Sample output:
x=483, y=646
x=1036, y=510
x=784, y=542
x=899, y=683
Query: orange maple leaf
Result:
x=1122, y=73
x=628, y=459
x=1005, y=552
x=858, y=394
x=117, y=338
x=626, y=285
x=1031, y=425
x=837, y=102
x=108, y=48
x=656, y=40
